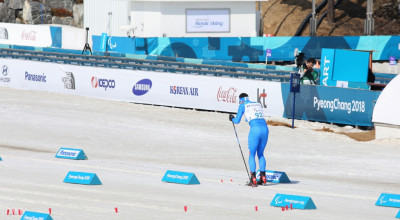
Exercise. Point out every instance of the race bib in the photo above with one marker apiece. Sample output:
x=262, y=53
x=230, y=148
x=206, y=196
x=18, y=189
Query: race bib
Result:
x=253, y=111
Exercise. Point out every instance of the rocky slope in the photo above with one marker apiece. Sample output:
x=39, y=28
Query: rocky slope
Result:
x=283, y=17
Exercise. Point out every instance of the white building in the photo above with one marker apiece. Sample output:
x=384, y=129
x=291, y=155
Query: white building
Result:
x=172, y=18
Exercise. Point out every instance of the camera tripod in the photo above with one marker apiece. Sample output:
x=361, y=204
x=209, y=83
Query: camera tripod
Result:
x=87, y=46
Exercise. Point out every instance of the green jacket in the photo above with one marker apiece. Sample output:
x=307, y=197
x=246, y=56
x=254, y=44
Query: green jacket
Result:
x=310, y=78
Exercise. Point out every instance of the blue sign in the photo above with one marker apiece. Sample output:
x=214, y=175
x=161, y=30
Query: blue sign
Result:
x=297, y=202
x=294, y=82
x=180, y=177
x=274, y=176
x=70, y=153
x=331, y=104
x=398, y=215
x=142, y=87
x=268, y=53
x=28, y=215
x=327, y=58
x=392, y=61
x=82, y=178
x=231, y=48
x=103, y=42
x=390, y=200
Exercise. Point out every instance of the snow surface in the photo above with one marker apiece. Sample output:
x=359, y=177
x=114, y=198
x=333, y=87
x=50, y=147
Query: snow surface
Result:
x=130, y=147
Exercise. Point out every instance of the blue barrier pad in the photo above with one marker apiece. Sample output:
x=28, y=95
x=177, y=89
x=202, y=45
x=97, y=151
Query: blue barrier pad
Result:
x=398, y=215
x=35, y=215
x=180, y=177
x=298, y=202
x=82, y=178
x=274, y=176
x=70, y=153
x=390, y=200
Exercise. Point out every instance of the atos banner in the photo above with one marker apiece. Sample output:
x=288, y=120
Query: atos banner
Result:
x=297, y=202
x=28, y=215
x=70, y=153
x=390, y=200
x=180, y=177
x=82, y=178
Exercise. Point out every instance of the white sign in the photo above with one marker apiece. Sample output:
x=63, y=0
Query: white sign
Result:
x=26, y=35
x=207, y=20
x=343, y=84
x=169, y=89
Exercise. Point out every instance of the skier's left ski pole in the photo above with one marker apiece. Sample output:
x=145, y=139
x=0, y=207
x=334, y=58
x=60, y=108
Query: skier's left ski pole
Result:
x=247, y=171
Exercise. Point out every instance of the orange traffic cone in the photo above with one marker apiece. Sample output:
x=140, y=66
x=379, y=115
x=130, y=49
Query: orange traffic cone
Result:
x=317, y=65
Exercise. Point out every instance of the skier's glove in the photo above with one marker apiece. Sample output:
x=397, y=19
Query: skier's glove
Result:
x=231, y=117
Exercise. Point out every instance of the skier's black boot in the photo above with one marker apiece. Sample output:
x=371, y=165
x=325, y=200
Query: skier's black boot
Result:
x=263, y=179
x=253, y=180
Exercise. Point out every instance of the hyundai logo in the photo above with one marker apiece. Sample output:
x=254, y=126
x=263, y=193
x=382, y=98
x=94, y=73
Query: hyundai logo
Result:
x=5, y=70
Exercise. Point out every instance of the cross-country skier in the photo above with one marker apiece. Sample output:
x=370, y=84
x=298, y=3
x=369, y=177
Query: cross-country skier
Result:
x=258, y=135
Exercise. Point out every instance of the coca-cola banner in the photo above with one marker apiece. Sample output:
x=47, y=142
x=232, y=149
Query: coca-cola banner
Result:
x=169, y=89
x=25, y=35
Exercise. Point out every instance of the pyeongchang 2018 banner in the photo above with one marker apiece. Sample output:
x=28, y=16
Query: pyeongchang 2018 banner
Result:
x=331, y=104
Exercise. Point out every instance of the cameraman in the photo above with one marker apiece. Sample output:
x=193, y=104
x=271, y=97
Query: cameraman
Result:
x=309, y=76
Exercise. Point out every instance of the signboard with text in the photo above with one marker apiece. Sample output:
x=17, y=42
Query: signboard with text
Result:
x=207, y=20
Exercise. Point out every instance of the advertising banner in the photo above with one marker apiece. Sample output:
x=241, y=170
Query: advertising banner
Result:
x=319, y=103
x=207, y=20
x=295, y=201
x=389, y=200
x=25, y=35
x=331, y=104
x=179, y=90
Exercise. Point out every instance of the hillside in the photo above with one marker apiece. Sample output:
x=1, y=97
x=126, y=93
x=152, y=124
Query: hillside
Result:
x=283, y=17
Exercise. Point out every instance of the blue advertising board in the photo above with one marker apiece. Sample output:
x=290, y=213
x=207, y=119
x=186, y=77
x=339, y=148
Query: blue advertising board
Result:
x=253, y=49
x=351, y=65
x=70, y=153
x=331, y=104
x=344, y=68
x=114, y=44
x=103, y=42
x=180, y=177
x=82, y=178
x=274, y=176
x=398, y=215
x=28, y=215
x=390, y=200
x=297, y=202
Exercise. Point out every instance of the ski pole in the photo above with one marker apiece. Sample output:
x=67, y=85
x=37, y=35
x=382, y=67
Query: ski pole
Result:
x=247, y=171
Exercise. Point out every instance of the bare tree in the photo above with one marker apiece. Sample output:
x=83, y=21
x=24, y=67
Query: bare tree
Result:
x=331, y=12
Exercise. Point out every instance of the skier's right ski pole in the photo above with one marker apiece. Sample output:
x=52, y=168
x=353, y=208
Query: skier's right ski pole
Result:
x=247, y=171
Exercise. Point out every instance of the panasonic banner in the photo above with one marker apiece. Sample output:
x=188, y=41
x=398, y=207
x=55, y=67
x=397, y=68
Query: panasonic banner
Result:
x=207, y=20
